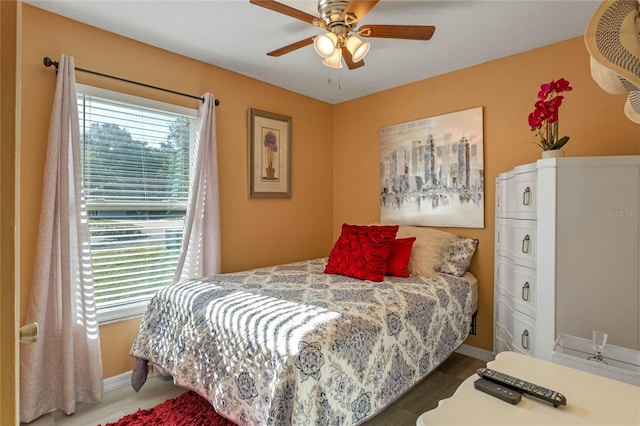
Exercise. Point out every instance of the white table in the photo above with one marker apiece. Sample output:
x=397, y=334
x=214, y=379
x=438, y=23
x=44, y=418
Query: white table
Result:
x=591, y=399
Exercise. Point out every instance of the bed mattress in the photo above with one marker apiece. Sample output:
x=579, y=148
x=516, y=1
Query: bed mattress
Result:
x=473, y=284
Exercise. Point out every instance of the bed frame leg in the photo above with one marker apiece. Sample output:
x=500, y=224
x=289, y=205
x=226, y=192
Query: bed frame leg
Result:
x=472, y=328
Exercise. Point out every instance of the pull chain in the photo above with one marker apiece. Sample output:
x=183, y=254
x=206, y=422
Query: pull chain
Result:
x=329, y=81
x=329, y=70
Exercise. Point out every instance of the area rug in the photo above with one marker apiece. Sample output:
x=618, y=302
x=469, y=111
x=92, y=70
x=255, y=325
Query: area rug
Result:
x=188, y=409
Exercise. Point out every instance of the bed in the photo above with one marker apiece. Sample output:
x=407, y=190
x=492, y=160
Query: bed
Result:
x=293, y=345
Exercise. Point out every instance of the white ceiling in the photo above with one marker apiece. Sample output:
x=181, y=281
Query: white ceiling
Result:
x=236, y=35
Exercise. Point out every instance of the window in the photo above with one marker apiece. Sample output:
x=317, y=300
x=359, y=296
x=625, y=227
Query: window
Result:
x=136, y=159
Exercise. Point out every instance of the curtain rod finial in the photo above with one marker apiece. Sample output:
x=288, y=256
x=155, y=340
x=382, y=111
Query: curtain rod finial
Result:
x=48, y=62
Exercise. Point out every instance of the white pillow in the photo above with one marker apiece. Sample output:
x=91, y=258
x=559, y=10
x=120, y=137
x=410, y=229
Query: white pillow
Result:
x=428, y=249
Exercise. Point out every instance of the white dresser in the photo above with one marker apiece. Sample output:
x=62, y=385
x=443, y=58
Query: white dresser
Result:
x=567, y=253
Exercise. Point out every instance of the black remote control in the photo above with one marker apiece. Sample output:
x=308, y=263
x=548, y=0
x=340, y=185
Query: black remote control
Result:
x=502, y=392
x=529, y=388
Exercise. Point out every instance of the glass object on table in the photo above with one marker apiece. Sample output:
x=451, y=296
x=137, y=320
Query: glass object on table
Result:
x=599, y=342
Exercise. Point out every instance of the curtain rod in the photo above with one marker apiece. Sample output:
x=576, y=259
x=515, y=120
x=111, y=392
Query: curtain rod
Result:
x=48, y=62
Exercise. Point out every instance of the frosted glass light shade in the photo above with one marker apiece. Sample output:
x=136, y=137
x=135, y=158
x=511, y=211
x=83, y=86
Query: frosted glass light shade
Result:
x=325, y=44
x=357, y=48
x=335, y=61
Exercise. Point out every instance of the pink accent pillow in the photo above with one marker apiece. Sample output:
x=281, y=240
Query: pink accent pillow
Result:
x=398, y=262
x=362, y=252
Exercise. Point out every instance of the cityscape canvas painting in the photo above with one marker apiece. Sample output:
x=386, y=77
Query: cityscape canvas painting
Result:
x=432, y=171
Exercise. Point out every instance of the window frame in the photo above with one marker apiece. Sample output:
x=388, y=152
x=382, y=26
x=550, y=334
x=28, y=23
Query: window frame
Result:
x=126, y=311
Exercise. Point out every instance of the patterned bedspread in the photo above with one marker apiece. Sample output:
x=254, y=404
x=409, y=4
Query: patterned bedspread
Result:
x=290, y=345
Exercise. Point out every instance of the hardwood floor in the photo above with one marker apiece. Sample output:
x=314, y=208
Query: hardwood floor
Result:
x=440, y=384
x=424, y=396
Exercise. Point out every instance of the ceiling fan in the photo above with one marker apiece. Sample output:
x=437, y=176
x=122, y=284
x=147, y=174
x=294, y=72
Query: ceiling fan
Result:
x=340, y=19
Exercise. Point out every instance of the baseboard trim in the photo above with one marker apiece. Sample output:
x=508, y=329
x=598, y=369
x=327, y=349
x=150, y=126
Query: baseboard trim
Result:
x=474, y=352
x=117, y=382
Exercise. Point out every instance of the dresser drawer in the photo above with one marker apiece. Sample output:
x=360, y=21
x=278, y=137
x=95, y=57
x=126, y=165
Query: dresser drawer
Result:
x=503, y=323
x=503, y=186
x=502, y=343
x=524, y=331
x=525, y=195
x=504, y=236
x=524, y=286
x=504, y=313
x=504, y=275
x=524, y=241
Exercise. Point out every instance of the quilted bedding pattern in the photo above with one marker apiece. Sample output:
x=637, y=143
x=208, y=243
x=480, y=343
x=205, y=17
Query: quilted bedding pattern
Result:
x=290, y=345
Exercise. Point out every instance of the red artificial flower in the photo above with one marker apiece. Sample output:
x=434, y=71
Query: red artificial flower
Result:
x=544, y=118
x=545, y=89
x=562, y=85
x=556, y=102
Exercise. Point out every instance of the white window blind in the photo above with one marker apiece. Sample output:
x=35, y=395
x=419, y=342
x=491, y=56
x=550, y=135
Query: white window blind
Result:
x=136, y=158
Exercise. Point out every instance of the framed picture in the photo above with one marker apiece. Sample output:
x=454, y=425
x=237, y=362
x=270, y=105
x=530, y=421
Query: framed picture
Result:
x=269, y=155
x=432, y=171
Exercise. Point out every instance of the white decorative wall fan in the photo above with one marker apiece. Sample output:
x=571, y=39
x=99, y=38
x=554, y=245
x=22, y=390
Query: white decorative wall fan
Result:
x=340, y=19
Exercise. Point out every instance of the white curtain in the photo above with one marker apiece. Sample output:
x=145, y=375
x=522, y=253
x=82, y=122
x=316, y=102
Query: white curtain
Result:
x=64, y=366
x=200, y=251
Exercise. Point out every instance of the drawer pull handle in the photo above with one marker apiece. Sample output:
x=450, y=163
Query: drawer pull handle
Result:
x=526, y=291
x=526, y=244
x=524, y=339
x=526, y=196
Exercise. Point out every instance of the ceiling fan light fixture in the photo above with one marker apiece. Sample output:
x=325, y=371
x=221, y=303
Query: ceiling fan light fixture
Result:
x=325, y=44
x=340, y=20
x=335, y=61
x=357, y=48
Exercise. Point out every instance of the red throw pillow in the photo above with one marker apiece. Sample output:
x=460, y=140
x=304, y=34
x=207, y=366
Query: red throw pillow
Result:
x=399, y=257
x=362, y=252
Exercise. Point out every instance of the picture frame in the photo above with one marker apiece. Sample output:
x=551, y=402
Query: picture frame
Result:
x=269, y=154
x=432, y=171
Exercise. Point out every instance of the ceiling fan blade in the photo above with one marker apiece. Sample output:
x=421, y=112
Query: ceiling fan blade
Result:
x=348, y=59
x=284, y=9
x=291, y=47
x=406, y=32
x=359, y=8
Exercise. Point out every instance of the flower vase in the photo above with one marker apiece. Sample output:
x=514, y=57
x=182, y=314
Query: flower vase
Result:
x=553, y=153
x=271, y=173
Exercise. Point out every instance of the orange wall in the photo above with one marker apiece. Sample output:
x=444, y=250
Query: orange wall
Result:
x=293, y=229
x=506, y=89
